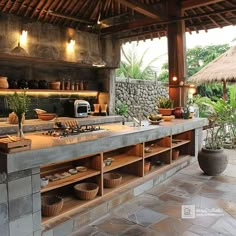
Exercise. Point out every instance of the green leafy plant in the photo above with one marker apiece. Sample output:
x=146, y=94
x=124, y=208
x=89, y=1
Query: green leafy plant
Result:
x=165, y=102
x=18, y=103
x=121, y=109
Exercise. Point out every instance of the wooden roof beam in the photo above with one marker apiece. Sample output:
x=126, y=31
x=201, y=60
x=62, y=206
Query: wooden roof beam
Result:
x=141, y=8
x=188, y=4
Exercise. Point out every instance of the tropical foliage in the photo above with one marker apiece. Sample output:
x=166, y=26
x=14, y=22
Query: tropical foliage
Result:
x=133, y=66
x=197, y=58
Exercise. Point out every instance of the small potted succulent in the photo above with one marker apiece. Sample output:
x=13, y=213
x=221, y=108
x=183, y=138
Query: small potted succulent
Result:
x=165, y=106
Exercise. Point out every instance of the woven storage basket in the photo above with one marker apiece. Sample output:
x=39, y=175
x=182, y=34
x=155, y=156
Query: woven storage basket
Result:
x=111, y=180
x=51, y=205
x=86, y=191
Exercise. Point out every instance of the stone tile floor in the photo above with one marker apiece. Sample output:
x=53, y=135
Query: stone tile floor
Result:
x=158, y=211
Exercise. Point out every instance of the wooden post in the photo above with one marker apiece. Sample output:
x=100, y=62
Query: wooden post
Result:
x=224, y=91
x=176, y=53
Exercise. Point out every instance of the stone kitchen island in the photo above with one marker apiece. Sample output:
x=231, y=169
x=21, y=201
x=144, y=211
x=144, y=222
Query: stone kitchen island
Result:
x=129, y=148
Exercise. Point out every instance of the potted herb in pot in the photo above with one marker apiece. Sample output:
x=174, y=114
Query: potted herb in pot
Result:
x=122, y=110
x=165, y=106
x=19, y=104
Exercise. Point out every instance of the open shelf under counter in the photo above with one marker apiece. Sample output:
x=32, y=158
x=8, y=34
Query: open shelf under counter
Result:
x=71, y=204
x=181, y=157
x=70, y=180
x=179, y=142
x=155, y=150
x=126, y=179
x=120, y=161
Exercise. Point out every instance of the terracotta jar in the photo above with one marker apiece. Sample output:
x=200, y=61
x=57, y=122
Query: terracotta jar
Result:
x=178, y=112
x=3, y=82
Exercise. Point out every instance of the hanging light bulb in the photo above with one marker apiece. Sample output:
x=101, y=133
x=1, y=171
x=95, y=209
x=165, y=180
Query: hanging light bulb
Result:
x=174, y=78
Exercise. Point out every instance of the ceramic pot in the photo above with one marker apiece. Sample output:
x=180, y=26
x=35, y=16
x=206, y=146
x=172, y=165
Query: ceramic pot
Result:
x=165, y=111
x=212, y=162
x=4, y=83
x=175, y=154
x=178, y=112
x=147, y=166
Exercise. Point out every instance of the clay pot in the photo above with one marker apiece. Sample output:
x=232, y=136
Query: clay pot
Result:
x=175, y=154
x=212, y=162
x=165, y=111
x=4, y=83
x=147, y=165
x=178, y=112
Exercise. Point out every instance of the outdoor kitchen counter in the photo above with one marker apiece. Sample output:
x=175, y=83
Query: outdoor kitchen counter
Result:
x=34, y=125
x=47, y=149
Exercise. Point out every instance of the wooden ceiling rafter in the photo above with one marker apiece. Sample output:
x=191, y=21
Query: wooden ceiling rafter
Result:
x=36, y=10
x=14, y=5
x=189, y=4
x=61, y=20
x=28, y=9
x=6, y=5
x=200, y=20
x=45, y=6
x=141, y=8
x=53, y=17
x=43, y=14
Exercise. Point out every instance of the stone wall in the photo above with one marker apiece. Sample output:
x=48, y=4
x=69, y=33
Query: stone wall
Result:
x=140, y=95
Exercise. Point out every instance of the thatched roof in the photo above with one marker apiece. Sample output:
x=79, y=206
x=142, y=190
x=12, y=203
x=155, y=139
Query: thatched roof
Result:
x=223, y=68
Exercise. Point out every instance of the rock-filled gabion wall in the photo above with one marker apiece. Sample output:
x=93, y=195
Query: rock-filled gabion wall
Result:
x=140, y=96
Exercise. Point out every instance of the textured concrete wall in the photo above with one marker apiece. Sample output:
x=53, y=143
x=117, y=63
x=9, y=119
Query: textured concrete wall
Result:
x=140, y=95
x=50, y=42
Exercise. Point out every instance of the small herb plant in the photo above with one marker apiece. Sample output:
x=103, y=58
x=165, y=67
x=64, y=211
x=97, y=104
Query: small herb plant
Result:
x=165, y=102
x=121, y=109
x=18, y=103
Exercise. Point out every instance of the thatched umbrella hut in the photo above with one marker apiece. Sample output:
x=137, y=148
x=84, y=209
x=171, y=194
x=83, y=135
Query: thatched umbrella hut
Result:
x=222, y=69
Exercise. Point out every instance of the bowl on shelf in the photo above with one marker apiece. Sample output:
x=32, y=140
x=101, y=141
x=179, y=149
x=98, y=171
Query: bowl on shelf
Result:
x=44, y=182
x=81, y=168
x=47, y=116
x=51, y=205
x=86, y=191
x=73, y=171
x=112, y=180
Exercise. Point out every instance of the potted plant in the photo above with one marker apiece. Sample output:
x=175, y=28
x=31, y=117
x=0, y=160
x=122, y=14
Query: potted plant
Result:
x=19, y=104
x=122, y=110
x=212, y=159
x=165, y=106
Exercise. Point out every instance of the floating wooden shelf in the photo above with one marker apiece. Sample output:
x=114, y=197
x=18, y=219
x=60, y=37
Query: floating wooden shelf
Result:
x=70, y=180
x=120, y=161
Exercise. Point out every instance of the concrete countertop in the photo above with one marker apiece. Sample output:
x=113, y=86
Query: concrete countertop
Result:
x=38, y=125
x=47, y=149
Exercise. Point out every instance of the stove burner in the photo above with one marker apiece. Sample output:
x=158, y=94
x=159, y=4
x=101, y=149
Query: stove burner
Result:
x=70, y=128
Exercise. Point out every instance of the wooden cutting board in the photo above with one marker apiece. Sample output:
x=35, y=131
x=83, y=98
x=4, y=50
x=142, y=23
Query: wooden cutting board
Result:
x=14, y=144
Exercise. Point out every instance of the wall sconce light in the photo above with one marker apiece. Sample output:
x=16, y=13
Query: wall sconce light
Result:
x=23, y=37
x=174, y=78
x=70, y=45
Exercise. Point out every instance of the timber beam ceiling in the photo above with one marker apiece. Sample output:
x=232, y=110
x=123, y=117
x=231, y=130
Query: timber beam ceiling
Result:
x=124, y=19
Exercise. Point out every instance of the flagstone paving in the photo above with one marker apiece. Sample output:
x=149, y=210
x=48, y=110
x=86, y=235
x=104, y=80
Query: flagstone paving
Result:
x=158, y=210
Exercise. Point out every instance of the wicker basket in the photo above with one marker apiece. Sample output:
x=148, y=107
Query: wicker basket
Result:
x=86, y=191
x=112, y=180
x=51, y=205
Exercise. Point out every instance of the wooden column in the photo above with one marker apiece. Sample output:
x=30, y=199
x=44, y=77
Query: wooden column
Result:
x=176, y=53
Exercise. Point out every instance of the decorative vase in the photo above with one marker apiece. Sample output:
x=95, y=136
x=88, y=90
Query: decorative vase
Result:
x=147, y=165
x=178, y=112
x=20, y=133
x=212, y=162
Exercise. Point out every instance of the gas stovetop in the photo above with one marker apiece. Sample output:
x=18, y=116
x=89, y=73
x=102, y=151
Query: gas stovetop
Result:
x=68, y=128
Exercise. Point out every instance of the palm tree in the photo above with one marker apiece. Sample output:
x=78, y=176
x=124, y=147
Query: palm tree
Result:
x=133, y=66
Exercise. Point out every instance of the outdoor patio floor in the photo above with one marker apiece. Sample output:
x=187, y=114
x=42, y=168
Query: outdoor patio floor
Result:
x=158, y=211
